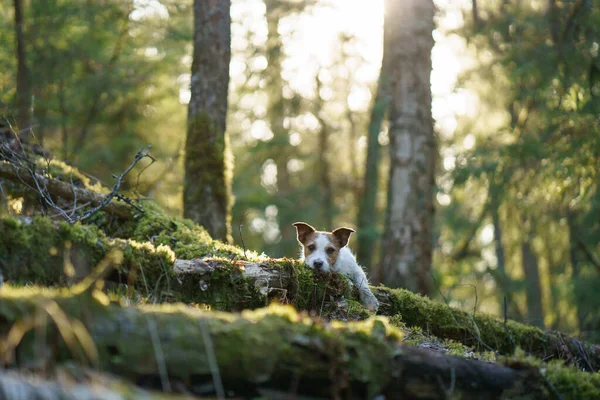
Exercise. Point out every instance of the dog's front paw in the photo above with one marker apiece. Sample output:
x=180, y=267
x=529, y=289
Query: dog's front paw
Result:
x=369, y=300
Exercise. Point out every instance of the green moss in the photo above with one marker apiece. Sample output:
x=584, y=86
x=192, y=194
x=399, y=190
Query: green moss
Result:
x=207, y=186
x=45, y=252
x=184, y=237
x=570, y=383
x=561, y=381
x=482, y=331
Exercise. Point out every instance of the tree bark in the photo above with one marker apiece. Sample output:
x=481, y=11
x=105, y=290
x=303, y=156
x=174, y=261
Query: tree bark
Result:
x=367, y=215
x=207, y=186
x=408, y=238
x=272, y=351
x=533, y=288
x=23, y=83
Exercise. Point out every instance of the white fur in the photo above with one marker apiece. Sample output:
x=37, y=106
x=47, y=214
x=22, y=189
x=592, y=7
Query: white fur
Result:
x=345, y=264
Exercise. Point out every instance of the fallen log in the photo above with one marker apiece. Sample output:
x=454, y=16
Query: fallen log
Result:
x=267, y=351
x=228, y=282
x=65, y=190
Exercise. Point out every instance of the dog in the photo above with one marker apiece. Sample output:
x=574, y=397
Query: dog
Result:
x=326, y=251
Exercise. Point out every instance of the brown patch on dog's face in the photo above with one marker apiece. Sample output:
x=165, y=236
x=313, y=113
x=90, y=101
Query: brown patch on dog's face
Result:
x=332, y=249
x=321, y=249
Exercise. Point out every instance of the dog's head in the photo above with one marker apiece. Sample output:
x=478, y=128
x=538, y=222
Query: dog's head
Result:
x=321, y=249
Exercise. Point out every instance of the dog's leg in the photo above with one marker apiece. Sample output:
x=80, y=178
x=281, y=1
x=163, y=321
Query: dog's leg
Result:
x=359, y=278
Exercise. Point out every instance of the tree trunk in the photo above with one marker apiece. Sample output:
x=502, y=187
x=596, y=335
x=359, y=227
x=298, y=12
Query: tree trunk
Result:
x=408, y=239
x=23, y=84
x=276, y=110
x=576, y=266
x=503, y=280
x=324, y=166
x=207, y=186
x=533, y=288
x=367, y=215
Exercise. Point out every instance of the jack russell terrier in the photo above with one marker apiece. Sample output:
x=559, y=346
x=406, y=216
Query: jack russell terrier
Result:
x=325, y=251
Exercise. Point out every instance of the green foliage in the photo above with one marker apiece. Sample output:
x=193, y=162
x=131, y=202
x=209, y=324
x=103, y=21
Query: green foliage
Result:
x=534, y=162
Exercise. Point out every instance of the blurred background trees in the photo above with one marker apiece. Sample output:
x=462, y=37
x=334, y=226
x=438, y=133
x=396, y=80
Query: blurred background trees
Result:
x=515, y=99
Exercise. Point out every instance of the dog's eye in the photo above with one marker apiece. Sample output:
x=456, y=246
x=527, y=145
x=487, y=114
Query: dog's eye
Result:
x=312, y=247
x=330, y=250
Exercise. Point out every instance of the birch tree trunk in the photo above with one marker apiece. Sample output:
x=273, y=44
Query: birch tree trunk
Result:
x=407, y=241
x=207, y=186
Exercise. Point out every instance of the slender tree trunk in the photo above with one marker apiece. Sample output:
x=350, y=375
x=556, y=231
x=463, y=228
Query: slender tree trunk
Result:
x=274, y=87
x=505, y=282
x=23, y=84
x=367, y=213
x=533, y=287
x=408, y=238
x=324, y=165
x=575, y=266
x=475, y=10
x=280, y=150
x=554, y=17
x=207, y=186
x=353, y=154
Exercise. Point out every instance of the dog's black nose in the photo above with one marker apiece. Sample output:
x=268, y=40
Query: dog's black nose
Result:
x=318, y=264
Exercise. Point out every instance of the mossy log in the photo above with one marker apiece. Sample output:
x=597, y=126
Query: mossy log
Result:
x=226, y=279
x=64, y=190
x=262, y=352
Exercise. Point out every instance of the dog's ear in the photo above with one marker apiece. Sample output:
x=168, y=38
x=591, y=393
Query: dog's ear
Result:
x=303, y=230
x=342, y=235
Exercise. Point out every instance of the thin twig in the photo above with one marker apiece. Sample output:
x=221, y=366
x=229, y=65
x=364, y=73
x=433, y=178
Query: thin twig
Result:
x=240, y=231
x=212, y=360
x=143, y=153
x=160, y=358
